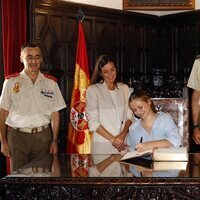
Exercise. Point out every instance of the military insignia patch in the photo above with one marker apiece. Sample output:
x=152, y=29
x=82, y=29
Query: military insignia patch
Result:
x=16, y=87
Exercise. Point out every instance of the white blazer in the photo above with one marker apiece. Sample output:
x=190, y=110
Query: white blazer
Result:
x=101, y=109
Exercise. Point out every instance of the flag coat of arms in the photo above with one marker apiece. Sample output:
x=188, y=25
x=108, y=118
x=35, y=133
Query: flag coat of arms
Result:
x=79, y=137
x=80, y=164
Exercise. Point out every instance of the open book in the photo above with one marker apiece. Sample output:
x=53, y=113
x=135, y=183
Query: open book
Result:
x=160, y=159
x=135, y=154
x=161, y=154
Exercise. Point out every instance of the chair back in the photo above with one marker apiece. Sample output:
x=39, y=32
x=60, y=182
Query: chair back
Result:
x=179, y=110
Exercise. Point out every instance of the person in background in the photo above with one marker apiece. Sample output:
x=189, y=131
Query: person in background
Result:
x=108, y=113
x=29, y=111
x=151, y=129
x=194, y=83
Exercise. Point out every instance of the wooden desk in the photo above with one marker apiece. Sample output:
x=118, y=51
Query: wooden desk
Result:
x=31, y=184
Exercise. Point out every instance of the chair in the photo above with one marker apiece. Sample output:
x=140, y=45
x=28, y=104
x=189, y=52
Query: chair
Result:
x=179, y=110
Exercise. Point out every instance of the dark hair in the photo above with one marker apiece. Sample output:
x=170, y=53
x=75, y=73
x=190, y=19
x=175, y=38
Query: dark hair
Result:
x=103, y=60
x=142, y=96
x=100, y=63
x=34, y=45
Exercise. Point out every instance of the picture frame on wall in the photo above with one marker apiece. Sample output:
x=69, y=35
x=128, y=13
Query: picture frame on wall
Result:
x=158, y=4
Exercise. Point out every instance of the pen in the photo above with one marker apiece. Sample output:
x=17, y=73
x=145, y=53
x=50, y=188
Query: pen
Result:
x=141, y=139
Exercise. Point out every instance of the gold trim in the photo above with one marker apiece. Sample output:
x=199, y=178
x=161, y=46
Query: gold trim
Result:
x=161, y=5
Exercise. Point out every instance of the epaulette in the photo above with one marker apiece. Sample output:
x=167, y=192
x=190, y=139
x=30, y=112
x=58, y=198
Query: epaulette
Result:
x=51, y=77
x=13, y=75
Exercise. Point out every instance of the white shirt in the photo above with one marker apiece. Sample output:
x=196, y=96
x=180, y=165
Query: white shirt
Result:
x=114, y=98
x=194, y=79
x=30, y=105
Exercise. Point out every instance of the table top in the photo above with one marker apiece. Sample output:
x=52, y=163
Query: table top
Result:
x=81, y=168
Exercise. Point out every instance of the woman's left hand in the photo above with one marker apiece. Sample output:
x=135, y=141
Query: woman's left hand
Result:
x=119, y=144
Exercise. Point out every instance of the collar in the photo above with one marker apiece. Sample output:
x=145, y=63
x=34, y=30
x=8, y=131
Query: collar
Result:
x=25, y=76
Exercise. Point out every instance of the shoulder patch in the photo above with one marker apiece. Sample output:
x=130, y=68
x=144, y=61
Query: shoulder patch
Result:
x=51, y=77
x=12, y=75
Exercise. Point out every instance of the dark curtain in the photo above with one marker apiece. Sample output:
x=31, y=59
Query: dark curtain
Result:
x=13, y=33
x=14, y=25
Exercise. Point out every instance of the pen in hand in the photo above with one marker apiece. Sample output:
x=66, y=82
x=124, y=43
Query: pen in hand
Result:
x=141, y=139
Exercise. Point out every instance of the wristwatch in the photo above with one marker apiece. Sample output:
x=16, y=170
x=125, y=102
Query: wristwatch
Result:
x=195, y=126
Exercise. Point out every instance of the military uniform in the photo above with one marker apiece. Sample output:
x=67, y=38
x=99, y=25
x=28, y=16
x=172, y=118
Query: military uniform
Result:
x=194, y=79
x=194, y=83
x=30, y=107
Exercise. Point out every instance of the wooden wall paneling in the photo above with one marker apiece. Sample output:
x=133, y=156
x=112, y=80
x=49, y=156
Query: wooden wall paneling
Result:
x=165, y=49
x=107, y=37
x=168, y=47
x=88, y=25
x=152, y=50
x=186, y=41
x=183, y=28
x=70, y=44
x=132, y=51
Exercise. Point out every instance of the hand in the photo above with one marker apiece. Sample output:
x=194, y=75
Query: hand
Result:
x=5, y=149
x=119, y=144
x=144, y=146
x=54, y=147
x=196, y=135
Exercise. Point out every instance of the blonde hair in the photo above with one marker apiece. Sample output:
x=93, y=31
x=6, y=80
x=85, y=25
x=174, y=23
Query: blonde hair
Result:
x=142, y=96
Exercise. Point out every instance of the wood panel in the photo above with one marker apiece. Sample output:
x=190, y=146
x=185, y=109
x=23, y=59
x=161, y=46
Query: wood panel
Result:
x=179, y=36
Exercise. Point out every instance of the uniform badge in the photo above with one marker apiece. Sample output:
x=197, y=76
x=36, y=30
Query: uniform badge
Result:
x=16, y=87
x=47, y=93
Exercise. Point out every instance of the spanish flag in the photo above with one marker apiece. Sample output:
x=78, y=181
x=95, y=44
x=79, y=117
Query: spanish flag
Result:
x=79, y=137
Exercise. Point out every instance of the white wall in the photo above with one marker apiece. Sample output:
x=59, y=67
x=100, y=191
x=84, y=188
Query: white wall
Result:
x=117, y=4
